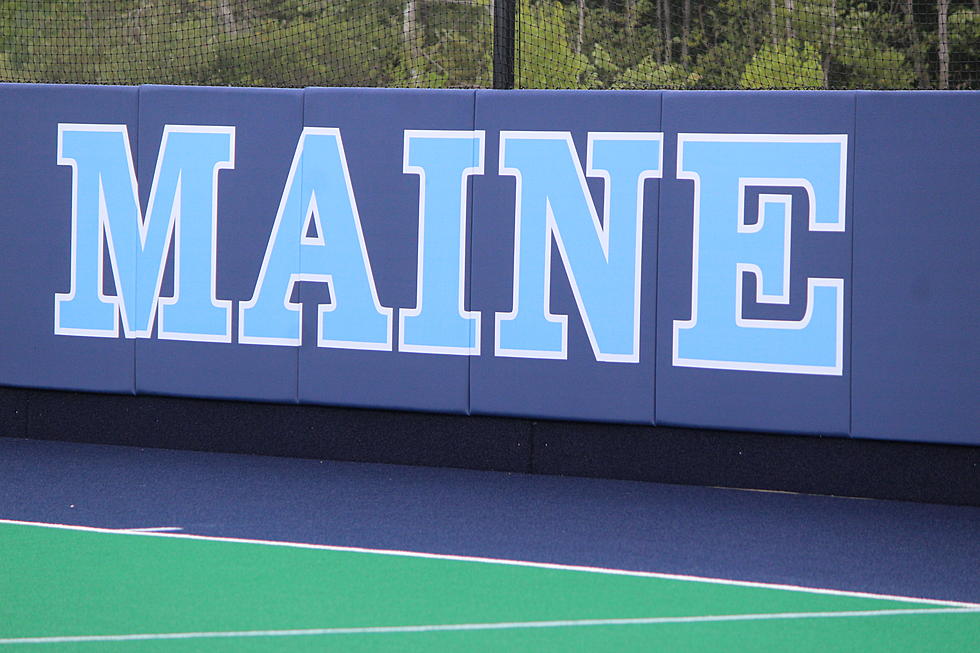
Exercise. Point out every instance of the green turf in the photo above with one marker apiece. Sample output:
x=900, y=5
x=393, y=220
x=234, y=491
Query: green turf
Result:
x=60, y=582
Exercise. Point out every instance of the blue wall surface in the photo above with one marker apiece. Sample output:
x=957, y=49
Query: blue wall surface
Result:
x=789, y=262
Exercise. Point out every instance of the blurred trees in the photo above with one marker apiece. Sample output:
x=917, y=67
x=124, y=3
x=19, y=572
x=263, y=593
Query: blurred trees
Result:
x=612, y=44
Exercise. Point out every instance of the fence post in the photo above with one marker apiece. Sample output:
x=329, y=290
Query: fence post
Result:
x=503, y=43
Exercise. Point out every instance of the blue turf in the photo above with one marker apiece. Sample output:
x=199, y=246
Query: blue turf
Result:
x=891, y=547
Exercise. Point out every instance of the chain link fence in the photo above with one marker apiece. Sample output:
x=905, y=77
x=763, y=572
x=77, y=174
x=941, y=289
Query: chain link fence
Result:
x=595, y=44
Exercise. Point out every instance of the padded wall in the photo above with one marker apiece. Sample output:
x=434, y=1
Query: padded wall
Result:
x=744, y=398
x=577, y=386
x=917, y=267
x=267, y=124
x=372, y=123
x=786, y=262
x=36, y=239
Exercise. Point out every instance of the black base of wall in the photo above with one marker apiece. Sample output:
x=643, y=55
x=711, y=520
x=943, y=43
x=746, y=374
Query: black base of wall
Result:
x=838, y=466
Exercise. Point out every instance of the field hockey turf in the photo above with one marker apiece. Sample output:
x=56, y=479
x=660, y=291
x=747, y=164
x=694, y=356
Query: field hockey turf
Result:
x=80, y=589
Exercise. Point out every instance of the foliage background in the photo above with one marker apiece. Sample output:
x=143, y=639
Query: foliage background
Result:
x=604, y=44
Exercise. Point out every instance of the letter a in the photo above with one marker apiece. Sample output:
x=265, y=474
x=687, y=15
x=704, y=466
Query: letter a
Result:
x=318, y=195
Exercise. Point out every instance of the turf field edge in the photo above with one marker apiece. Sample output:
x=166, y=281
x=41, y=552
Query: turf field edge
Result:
x=434, y=628
x=967, y=606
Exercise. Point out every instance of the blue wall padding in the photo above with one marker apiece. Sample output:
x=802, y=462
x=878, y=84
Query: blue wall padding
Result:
x=578, y=387
x=372, y=124
x=35, y=239
x=916, y=267
x=903, y=358
x=267, y=124
x=739, y=399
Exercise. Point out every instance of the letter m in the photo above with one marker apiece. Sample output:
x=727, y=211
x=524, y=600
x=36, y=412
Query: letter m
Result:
x=181, y=215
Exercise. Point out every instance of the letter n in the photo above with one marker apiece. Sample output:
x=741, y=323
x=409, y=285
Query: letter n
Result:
x=602, y=260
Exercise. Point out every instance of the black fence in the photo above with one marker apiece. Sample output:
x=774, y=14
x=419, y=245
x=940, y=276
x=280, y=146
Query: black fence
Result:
x=595, y=44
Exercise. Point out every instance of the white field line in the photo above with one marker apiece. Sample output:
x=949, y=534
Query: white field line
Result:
x=516, y=563
x=515, y=625
x=151, y=529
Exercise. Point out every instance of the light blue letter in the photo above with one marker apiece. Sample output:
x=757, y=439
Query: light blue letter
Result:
x=318, y=197
x=602, y=261
x=440, y=324
x=105, y=204
x=726, y=247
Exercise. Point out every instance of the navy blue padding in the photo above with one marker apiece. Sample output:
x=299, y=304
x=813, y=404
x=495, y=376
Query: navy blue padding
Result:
x=267, y=126
x=35, y=239
x=916, y=266
x=912, y=168
x=748, y=400
x=579, y=387
x=372, y=124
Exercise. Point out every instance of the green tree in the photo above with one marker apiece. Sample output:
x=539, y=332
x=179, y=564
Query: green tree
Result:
x=864, y=56
x=448, y=43
x=785, y=65
x=650, y=74
x=964, y=43
x=544, y=56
